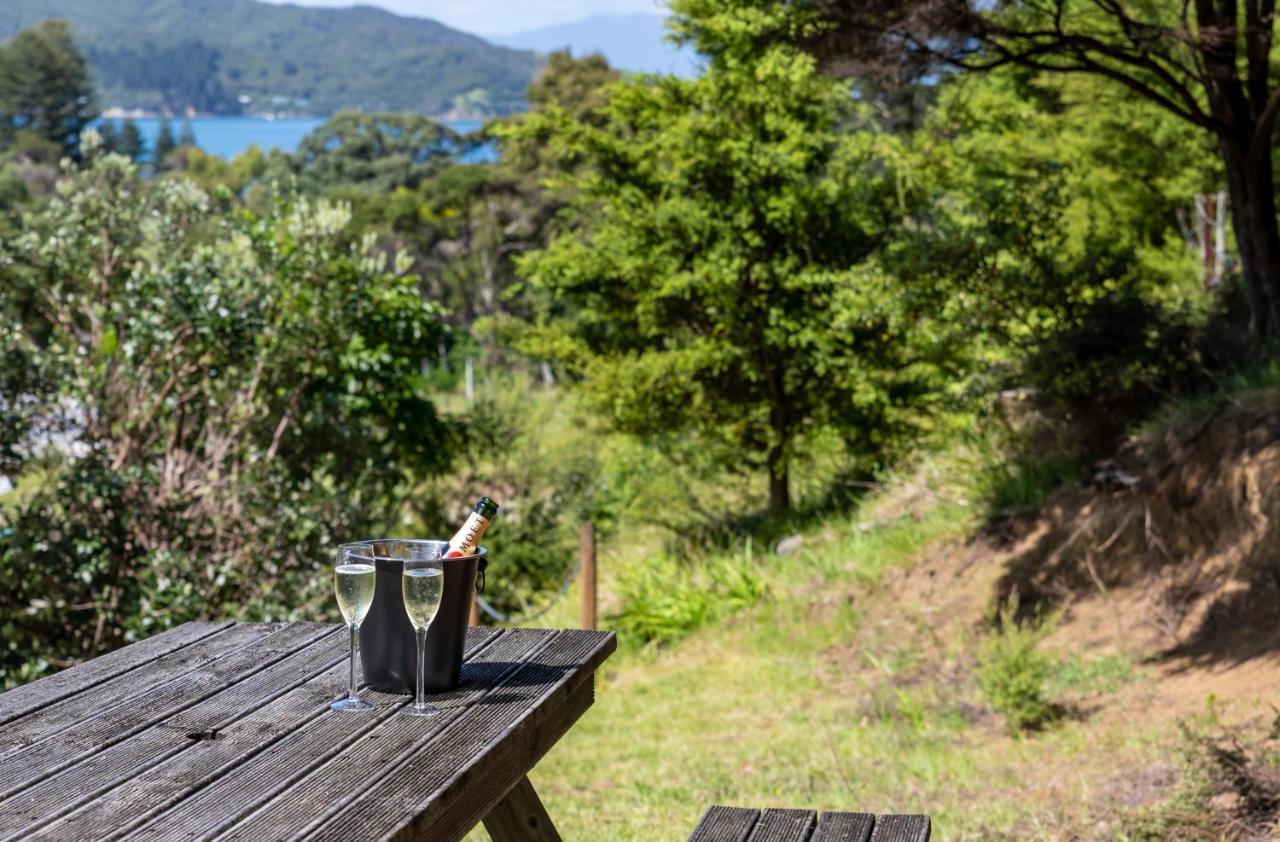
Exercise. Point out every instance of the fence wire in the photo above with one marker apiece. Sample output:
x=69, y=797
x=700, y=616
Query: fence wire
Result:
x=499, y=617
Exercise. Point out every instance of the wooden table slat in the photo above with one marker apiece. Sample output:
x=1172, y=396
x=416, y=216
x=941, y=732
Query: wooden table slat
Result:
x=200, y=763
x=725, y=824
x=167, y=702
x=843, y=827
x=260, y=803
x=410, y=795
x=22, y=700
x=901, y=829
x=775, y=825
x=126, y=688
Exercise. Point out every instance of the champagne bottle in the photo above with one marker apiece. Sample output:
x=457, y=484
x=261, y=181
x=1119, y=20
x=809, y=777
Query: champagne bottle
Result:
x=467, y=539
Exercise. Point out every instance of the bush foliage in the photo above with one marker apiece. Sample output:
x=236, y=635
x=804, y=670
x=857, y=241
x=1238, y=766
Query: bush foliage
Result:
x=209, y=399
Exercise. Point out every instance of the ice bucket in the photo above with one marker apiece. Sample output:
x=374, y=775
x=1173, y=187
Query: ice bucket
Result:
x=388, y=647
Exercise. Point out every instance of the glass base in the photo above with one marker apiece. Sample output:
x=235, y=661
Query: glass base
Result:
x=425, y=710
x=352, y=705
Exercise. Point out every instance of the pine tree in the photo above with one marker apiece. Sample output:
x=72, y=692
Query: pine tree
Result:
x=131, y=141
x=187, y=137
x=165, y=144
x=45, y=87
x=110, y=134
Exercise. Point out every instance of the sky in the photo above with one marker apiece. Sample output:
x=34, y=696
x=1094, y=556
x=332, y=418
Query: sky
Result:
x=502, y=17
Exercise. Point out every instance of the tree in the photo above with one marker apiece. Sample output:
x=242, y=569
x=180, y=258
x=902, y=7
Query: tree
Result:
x=213, y=173
x=132, y=144
x=711, y=279
x=1208, y=62
x=465, y=226
x=165, y=144
x=187, y=137
x=237, y=393
x=110, y=134
x=373, y=152
x=575, y=84
x=45, y=86
x=1041, y=218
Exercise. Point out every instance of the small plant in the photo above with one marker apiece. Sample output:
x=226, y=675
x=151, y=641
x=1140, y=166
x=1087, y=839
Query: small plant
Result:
x=1013, y=673
x=663, y=599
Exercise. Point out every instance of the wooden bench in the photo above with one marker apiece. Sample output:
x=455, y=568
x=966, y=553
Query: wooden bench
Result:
x=742, y=824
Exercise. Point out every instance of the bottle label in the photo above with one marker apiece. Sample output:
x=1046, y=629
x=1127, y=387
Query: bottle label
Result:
x=465, y=540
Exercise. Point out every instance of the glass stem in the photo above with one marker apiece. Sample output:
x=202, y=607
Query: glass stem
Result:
x=421, y=698
x=351, y=688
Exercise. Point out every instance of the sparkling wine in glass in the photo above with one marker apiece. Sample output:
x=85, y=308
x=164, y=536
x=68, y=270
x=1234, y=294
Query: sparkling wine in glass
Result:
x=423, y=586
x=353, y=578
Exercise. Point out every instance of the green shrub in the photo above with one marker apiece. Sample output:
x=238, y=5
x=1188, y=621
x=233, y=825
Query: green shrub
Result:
x=664, y=599
x=1013, y=674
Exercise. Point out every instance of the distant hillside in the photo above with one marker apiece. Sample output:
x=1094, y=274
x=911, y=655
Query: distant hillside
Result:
x=228, y=56
x=629, y=42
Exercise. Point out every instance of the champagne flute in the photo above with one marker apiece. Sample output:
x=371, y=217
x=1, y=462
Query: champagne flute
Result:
x=353, y=579
x=423, y=586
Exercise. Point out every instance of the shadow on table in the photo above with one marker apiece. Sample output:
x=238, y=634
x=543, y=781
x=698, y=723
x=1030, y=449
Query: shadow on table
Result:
x=510, y=674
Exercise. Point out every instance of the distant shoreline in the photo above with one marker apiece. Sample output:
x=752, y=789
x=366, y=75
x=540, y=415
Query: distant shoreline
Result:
x=117, y=113
x=228, y=136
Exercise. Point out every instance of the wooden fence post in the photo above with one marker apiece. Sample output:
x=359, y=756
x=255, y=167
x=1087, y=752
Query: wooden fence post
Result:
x=587, y=554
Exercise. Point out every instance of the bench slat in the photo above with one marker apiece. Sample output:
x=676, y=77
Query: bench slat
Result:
x=725, y=824
x=843, y=827
x=743, y=824
x=901, y=829
x=783, y=826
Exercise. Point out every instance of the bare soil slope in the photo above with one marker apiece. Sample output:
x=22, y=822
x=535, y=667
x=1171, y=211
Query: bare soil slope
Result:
x=1171, y=556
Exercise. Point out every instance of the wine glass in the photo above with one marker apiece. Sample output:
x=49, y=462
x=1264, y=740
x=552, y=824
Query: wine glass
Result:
x=422, y=585
x=353, y=579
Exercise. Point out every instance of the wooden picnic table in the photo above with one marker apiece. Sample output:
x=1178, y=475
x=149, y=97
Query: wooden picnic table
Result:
x=223, y=730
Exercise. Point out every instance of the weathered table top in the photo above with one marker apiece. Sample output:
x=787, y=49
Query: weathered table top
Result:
x=223, y=730
x=739, y=824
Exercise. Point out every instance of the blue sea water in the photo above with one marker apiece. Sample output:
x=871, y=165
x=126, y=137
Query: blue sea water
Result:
x=227, y=137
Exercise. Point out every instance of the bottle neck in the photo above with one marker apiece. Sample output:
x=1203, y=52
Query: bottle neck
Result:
x=466, y=539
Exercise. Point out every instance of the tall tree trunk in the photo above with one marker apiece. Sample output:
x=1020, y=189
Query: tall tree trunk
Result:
x=779, y=424
x=779, y=481
x=1251, y=185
